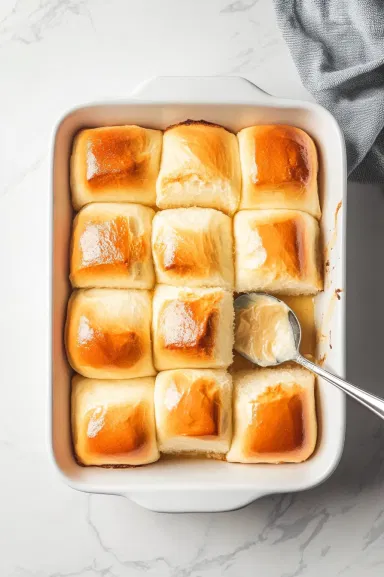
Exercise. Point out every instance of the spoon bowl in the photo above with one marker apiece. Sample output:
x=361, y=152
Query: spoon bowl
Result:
x=269, y=327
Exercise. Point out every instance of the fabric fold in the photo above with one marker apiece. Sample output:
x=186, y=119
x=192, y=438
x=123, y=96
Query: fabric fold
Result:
x=338, y=49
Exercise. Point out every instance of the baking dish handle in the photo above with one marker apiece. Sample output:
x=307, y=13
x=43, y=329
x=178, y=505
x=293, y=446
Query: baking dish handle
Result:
x=200, y=89
x=193, y=501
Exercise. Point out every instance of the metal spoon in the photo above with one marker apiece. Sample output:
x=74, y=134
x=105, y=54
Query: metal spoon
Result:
x=372, y=402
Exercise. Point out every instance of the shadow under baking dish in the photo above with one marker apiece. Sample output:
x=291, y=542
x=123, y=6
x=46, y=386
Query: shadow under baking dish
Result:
x=197, y=474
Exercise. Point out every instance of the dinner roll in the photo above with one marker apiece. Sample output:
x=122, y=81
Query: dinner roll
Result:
x=111, y=246
x=108, y=333
x=279, y=168
x=274, y=416
x=113, y=422
x=192, y=327
x=199, y=167
x=194, y=411
x=115, y=163
x=193, y=247
x=277, y=251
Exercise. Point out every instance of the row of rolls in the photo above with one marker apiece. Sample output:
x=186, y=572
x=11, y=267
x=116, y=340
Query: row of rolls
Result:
x=123, y=245
x=196, y=163
x=256, y=416
x=169, y=225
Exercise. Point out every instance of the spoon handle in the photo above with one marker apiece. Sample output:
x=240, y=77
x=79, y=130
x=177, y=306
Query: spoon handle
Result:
x=372, y=402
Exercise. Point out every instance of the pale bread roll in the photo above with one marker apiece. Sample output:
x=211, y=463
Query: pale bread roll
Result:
x=199, y=167
x=113, y=422
x=108, y=333
x=111, y=246
x=193, y=247
x=279, y=169
x=193, y=410
x=115, y=164
x=274, y=416
x=277, y=251
x=192, y=328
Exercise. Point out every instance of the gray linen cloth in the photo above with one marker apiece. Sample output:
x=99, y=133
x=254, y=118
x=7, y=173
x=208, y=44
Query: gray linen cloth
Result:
x=338, y=48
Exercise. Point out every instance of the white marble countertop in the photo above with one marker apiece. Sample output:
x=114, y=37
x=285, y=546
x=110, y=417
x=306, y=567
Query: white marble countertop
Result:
x=58, y=53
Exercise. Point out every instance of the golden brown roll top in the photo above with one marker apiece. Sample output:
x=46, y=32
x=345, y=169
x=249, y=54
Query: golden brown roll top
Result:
x=277, y=251
x=279, y=169
x=274, y=416
x=193, y=247
x=199, y=167
x=111, y=246
x=115, y=163
x=113, y=422
x=108, y=333
x=192, y=327
x=193, y=411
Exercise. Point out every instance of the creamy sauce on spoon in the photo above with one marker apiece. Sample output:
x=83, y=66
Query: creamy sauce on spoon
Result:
x=263, y=331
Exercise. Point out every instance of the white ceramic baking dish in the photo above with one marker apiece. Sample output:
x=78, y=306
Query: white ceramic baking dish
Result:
x=196, y=485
